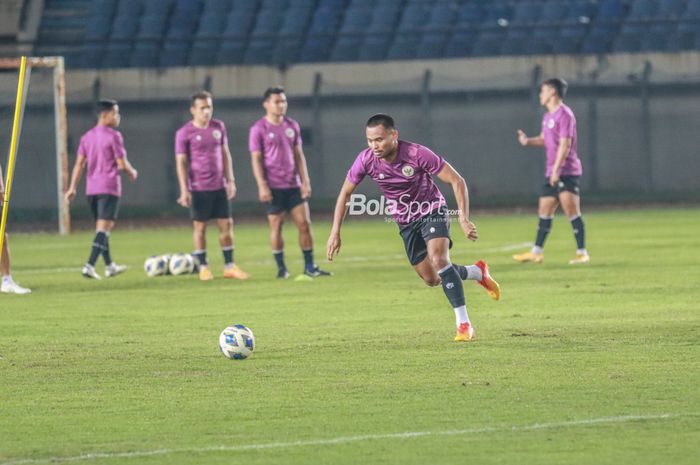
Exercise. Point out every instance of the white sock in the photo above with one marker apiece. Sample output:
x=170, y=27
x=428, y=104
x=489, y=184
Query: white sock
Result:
x=7, y=279
x=582, y=251
x=537, y=249
x=474, y=273
x=461, y=315
x=228, y=266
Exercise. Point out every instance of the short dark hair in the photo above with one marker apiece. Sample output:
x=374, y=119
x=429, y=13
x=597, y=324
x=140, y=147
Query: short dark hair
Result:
x=105, y=105
x=272, y=90
x=381, y=119
x=200, y=95
x=559, y=85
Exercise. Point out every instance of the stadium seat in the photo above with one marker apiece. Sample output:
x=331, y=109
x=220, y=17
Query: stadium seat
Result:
x=295, y=22
x=610, y=10
x=582, y=12
x=151, y=27
x=526, y=12
x=117, y=55
x=488, y=42
x=599, y=39
x=102, y=9
x=129, y=8
x=267, y=23
x=515, y=41
x=355, y=21
x=92, y=54
x=375, y=47
x=657, y=37
x=627, y=43
x=553, y=12
x=231, y=51
x=97, y=29
x=181, y=26
x=325, y=21
x=442, y=15
x=124, y=27
x=414, y=15
x=211, y=25
x=432, y=45
x=287, y=50
x=174, y=54
x=317, y=48
x=469, y=15
x=204, y=52
x=238, y=25
x=219, y=7
x=259, y=50
x=643, y=9
x=157, y=8
x=278, y=5
x=670, y=9
x=460, y=44
x=347, y=48
x=404, y=47
x=692, y=10
x=145, y=54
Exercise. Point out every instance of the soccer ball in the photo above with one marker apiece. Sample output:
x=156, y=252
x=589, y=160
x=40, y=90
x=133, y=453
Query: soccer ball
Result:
x=181, y=263
x=155, y=266
x=237, y=342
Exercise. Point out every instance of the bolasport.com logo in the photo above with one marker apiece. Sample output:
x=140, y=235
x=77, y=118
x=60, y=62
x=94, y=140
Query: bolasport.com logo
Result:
x=360, y=205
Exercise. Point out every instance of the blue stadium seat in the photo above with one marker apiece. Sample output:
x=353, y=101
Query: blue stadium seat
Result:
x=188, y=7
x=317, y=48
x=92, y=54
x=442, y=16
x=414, y=15
x=570, y=38
x=325, y=21
x=231, y=51
x=657, y=37
x=278, y=5
x=634, y=28
x=157, y=8
x=599, y=39
x=220, y=7
x=259, y=50
x=404, y=47
x=515, y=41
x=334, y=4
x=488, y=42
x=238, y=25
x=204, y=52
x=267, y=23
x=117, y=55
x=627, y=43
x=174, y=54
x=287, y=50
x=362, y=3
x=124, y=27
x=97, y=29
x=526, y=12
x=460, y=44
x=643, y=9
x=581, y=11
x=553, y=12
x=103, y=9
x=181, y=26
x=295, y=22
x=498, y=11
x=355, y=20
x=692, y=10
x=211, y=25
x=470, y=15
x=670, y=9
x=129, y=8
x=144, y=55
x=375, y=47
x=610, y=10
x=432, y=45
x=151, y=27
x=347, y=48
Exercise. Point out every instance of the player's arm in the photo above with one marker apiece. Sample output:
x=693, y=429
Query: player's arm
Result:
x=450, y=176
x=562, y=153
x=341, y=208
x=537, y=141
x=300, y=161
x=228, y=172
x=264, y=193
x=124, y=165
x=185, y=198
x=77, y=173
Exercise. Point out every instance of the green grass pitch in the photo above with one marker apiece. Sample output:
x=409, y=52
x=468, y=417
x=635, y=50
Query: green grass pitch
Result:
x=590, y=364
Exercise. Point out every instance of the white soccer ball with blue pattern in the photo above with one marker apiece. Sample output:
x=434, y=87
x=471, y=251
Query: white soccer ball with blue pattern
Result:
x=181, y=263
x=155, y=266
x=237, y=342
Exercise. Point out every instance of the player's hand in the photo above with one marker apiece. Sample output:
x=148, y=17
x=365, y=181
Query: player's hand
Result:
x=332, y=246
x=133, y=174
x=554, y=180
x=231, y=190
x=522, y=137
x=68, y=196
x=305, y=191
x=469, y=229
x=185, y=199
x=265, y=194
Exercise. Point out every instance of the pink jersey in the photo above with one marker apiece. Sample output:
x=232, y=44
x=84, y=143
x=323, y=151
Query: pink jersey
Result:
x=102, y=146
x=407, y=180
x=277, y=142
x=204, y=150
x=555, y=126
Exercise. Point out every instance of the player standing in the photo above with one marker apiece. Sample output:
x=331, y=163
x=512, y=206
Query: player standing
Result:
x=207, y=185
x=283, y=181
x=102, y=150
x=403, y=172
x=8, y=285
x=563, y=170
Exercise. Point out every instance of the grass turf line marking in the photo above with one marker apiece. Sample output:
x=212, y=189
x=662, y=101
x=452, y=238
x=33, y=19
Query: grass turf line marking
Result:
x=350, y=439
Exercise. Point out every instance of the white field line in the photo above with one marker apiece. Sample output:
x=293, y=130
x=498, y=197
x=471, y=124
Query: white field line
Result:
x=348, y=439
x=351, y=258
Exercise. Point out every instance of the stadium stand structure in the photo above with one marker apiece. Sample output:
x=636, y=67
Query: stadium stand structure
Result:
x=163, y=33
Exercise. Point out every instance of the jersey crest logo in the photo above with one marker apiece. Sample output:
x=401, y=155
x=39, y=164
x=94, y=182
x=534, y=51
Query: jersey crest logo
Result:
x=407, y=171
x=381, y=175
x=271, y=135
x=550, y=123
x=197, y=137
x=217, y=134
x=290, y=133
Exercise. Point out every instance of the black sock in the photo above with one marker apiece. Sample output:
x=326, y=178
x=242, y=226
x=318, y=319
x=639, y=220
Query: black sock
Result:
x=579, y=232
x=97, y=247
x=308, y=259
x=543, y=228
x=228, y=255
x=279, y=259
x=461, y=270
x=452, y=285
x=105, y=251
x=201, y=256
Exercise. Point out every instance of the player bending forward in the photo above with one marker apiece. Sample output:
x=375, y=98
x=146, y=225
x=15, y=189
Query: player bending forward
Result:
x=403, y=172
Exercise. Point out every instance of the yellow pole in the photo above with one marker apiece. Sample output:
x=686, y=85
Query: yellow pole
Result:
x=13, y=149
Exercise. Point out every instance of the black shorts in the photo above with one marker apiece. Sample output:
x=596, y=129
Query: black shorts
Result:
x=104, y=206
x=416, y=234
x=207, y=205
x=566, y=183
x=283, y=200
